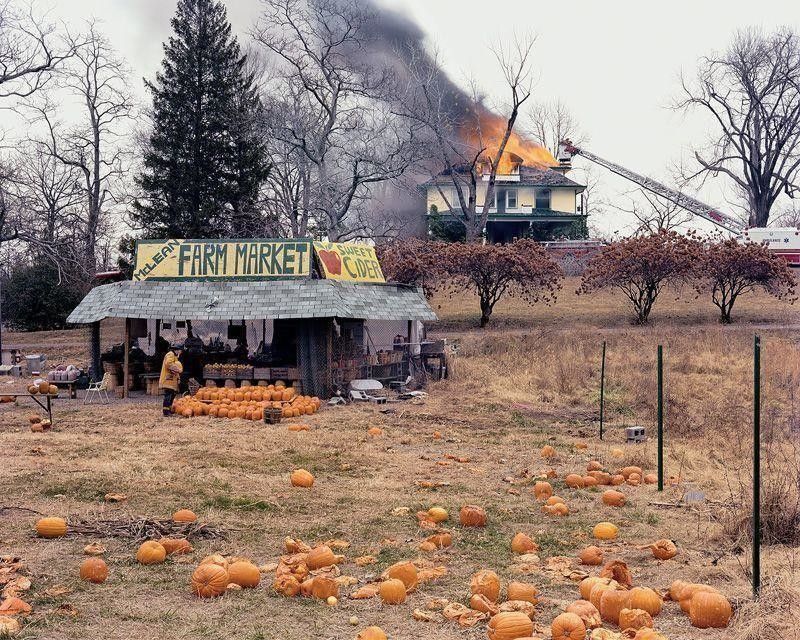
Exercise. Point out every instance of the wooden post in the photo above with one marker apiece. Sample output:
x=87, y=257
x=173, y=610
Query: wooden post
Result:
x=126, y=361
x=95, y=368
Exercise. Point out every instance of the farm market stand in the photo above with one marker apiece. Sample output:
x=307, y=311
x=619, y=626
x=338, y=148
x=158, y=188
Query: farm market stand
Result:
x=313, y=330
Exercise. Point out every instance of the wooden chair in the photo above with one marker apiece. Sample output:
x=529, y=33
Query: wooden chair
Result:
x=98, y=390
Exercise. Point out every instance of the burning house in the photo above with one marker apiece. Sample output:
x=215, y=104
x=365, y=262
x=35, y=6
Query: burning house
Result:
x=533, y=197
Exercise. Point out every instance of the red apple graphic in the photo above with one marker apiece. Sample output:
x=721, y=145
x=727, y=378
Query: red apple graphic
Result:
x=332, y=262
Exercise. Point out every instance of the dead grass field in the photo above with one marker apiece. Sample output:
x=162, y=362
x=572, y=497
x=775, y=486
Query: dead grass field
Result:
x=530, y=379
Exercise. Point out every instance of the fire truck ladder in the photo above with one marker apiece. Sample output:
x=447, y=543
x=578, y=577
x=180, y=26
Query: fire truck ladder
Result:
x=727, y=222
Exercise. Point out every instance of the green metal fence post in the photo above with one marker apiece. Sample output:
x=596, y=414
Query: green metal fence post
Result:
x=660, y=375
x=602, y=387
x=756, y=466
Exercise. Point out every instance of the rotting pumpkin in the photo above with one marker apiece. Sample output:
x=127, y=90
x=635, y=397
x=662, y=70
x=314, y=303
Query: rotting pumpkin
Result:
x=568, y=626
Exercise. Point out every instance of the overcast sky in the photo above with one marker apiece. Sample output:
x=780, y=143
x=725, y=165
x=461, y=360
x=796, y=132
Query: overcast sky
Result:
x=616, y=63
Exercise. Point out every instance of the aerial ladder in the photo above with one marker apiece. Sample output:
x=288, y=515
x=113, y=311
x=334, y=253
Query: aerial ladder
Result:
x=784, y=241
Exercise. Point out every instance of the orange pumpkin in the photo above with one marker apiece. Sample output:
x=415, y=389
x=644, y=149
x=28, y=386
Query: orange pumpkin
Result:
x=244, y=573
x=613, y=498
x=301, y=478
x=371, y=633
x=663, y=549
x=404, y=571
x=612, y=602
x=323, y=587
x=13, y=606
x=209, y=581
x=634, y=619
x=594, y=465
x=184, y=515
x=319, y=557
x=151, y=552
x=708, y=609
x=441, y=539
x=486, y=583
x=542, y=490
x=51, y=527
x=509, y=625
x=690, y=591
x=176, y=545
x=522, y=543
x=587, y=612
x=605, y=531
x=437, y=514
x=392, y=591
x=472, y=516
x=568, y=626
x=592, y=556
x=648, y=634
x=216, y=559
x=94, y=570
x=574, y=481
x=481, y=603
x=548, y=451
x=646, y=599
x=587, y=584
x=286, y=584
x=523, y=591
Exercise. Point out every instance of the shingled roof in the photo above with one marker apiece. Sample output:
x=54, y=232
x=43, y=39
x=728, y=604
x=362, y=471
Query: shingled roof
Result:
x=528, y=176
x=271, y=299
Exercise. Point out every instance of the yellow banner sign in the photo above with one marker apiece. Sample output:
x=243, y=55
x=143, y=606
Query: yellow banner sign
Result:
x=353, y=262
x=222, y=259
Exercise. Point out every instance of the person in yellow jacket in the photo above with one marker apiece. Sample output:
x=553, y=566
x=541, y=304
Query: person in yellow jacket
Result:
x=169, y=381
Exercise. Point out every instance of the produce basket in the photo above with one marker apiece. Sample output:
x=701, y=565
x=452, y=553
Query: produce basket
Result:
x=272, y=415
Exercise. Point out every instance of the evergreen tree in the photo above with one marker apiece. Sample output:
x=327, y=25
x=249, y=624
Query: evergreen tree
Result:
x=204, y=164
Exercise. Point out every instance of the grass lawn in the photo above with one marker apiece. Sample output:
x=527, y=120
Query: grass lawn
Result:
x=530, y=379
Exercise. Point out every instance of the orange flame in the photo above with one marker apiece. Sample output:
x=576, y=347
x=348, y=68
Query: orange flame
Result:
x=489, y=134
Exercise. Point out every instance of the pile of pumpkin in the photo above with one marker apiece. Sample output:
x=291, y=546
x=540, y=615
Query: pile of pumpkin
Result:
x=610, y=598
x=38, y=425
x=43, y=387
x=247, y=403
x=13, y=609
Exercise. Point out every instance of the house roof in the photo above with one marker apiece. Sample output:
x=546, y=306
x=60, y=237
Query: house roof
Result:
x=528, y=176
x=209, y=300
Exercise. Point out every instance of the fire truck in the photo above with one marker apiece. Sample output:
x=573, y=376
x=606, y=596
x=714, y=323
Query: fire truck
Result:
x=784, y=241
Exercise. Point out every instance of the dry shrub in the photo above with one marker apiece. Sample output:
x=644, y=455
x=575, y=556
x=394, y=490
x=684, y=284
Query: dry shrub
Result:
x=780, y=499
x=773, y=616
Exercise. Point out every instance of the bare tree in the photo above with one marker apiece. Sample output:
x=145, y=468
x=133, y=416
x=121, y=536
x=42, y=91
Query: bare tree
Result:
x=752, y=93
x=551, y=122
x=9, y=229
x=337, y=124
x=95, y=149
x=654, y=213
x=49, y=191
x=789, y=217
x=469, y=148
x=30, y=49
